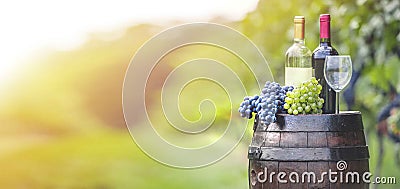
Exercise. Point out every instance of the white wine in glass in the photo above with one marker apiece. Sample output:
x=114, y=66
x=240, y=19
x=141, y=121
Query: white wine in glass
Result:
x=338, y=71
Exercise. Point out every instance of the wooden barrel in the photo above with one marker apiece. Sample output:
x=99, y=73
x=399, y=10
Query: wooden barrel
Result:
x=295, y=150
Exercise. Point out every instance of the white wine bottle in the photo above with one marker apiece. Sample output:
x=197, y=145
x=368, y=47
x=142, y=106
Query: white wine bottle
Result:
x=298, y=67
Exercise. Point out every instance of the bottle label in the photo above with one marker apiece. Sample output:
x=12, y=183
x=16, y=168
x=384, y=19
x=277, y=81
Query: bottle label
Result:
x=294, y=76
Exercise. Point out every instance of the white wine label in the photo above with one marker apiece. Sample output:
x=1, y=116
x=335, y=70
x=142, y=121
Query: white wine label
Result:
x=295, y=75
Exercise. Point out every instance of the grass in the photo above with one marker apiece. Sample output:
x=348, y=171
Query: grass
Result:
x=389, y=167
x=110, y=160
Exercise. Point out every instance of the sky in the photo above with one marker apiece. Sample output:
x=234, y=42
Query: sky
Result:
x=30, y=27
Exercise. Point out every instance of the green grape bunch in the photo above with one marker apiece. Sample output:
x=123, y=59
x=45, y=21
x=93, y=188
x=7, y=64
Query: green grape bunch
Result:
x=304, y=99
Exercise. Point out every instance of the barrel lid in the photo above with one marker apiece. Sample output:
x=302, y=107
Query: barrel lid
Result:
x=345, y=121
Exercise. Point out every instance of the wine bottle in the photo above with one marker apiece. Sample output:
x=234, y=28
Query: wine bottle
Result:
x=298, y=57
x=318, y=60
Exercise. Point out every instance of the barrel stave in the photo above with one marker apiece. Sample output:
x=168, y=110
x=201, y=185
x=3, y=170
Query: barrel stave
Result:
x=309, y=143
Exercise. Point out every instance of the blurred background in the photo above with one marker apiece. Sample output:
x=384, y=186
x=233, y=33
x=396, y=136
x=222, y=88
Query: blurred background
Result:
x=63, y=64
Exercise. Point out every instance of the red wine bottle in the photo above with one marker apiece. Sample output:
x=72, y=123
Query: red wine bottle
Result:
x=318, y=60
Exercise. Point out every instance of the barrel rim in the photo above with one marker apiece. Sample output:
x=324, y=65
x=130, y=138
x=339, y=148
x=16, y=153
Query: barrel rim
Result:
x=345, y=121
x=308, y=154
x=341, y=113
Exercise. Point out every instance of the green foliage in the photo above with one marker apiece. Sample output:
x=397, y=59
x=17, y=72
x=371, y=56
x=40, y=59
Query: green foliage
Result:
x=110, y=160
x=78, y=93
x=368, y=30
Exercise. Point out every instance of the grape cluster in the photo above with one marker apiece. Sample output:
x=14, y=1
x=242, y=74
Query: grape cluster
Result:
x=249, y=106
x=304, y=99
x=273, y=97
x=267, y=104
x=286, y=90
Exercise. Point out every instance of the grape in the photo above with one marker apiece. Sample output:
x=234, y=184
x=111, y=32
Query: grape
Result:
x=274, y=101
x=267, y=104
x=314, y=106
x=288, y=100
x=314, y=80
x=307, y=109
x=304, y=99
x=248, y=106
x=319, y=105
x=300, y=109
x=296, y=94
x=286, y=106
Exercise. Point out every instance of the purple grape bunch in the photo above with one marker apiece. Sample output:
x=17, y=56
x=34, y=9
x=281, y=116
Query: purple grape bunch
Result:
x=267, y=104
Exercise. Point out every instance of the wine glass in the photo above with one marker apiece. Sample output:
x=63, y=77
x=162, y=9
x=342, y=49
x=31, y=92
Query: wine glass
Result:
x=337, y=71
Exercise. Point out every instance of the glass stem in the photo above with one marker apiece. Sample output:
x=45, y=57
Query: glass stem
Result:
x=337, y=102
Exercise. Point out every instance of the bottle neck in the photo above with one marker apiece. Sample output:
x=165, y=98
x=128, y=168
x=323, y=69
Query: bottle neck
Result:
x=299, y=33
x=325, y=32
x=299, y=41
x=325, y=41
